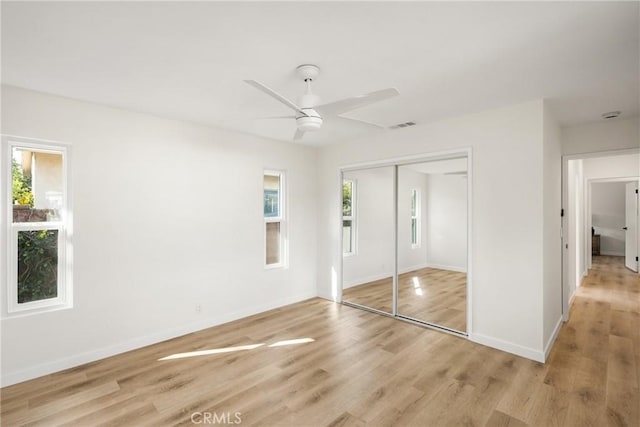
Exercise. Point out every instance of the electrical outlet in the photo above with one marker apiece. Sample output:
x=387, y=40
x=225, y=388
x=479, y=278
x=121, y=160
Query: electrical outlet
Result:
x=198, y=308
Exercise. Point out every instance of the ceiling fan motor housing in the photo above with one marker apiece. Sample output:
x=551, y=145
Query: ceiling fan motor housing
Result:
x=309, y=123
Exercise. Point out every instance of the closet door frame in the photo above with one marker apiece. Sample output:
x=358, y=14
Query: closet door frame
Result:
x=401, y=161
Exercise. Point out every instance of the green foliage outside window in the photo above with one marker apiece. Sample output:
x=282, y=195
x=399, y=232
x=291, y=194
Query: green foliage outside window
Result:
x=346, y=198
x=22, y=194
x=37, y=265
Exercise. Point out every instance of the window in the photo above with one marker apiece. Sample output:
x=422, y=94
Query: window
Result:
x=273, y=210
x=415, y=218
x=348, y=217
x=39, y=270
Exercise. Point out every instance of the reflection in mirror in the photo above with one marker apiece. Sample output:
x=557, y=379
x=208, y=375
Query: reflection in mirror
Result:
x=368, y=237
x=432, y=242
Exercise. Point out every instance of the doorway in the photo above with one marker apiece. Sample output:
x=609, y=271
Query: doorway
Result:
x=405, y=239
x=589, y=229
x=612, y=217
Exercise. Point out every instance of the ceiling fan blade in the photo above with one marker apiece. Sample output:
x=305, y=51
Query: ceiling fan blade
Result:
x=331, y=118
x=344, y=105
x=276, y=95
x=276, y=117
x=298, y=135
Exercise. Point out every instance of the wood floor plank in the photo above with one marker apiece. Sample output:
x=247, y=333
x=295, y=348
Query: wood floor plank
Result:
x=500, y=419
x=622, y=363
x=587, y=399
x=623, y=404
x=518, y=400
x=549, y=408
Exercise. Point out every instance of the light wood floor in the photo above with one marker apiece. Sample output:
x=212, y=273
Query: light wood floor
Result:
x=429, y=294
x=362, y=369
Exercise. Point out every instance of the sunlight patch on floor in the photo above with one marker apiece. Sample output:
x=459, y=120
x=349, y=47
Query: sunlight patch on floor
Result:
x=236, y=348
x=291, y=342
x=416, y=286
x=212, y=351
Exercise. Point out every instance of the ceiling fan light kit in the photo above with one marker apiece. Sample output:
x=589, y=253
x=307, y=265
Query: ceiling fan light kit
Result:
x=309, y=115
x=308, y=123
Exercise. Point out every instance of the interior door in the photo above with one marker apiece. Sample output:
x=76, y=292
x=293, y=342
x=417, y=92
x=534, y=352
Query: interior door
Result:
x=368, y=239
x=631, y=226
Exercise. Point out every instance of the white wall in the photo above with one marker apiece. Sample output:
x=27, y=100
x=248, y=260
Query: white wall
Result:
x=446, y=219
x=507, y=219
x=622, y=166
x=604, y=135
x=608, y=216
x=167, y=215
x=552, y=229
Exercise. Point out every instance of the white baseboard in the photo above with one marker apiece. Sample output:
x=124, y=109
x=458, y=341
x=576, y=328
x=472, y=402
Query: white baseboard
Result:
x=447, y=267
x=608, y=253
x=582, y=276
x=509, y=347
x=324, y=295
x=362, y=280
x=413, y=268
x=571, y=298
x=552, y=338
x=10, y=378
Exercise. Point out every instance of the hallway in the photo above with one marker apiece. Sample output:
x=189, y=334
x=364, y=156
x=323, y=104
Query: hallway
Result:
x=593, y=366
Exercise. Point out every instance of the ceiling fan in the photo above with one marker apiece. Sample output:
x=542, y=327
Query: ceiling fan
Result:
x=309, y=115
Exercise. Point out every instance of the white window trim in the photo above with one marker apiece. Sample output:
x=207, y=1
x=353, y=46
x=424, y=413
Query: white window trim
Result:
x=418, y=219
x=64, y=299
x=352, y=218
x=281, y=218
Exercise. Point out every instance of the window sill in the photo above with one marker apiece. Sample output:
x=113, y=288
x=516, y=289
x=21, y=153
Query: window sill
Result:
x=39, y=310
x=276, y=267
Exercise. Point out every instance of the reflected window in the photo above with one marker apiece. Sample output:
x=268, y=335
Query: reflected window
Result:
x=273, y=197
x=348, y=217
x=415, y=218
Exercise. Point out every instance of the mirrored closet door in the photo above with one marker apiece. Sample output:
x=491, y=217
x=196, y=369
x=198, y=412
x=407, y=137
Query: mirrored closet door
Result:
x=368, y=238
x=432, y=242
x=405, y=240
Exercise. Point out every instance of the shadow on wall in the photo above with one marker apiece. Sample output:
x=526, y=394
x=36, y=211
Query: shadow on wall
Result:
x=608, y=222
x=612, y=236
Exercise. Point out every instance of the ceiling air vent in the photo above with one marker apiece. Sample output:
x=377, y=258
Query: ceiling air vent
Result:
x=611, y=115
x=402, y=125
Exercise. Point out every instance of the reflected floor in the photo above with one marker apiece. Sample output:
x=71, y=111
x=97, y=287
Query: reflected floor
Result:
x=429, y=294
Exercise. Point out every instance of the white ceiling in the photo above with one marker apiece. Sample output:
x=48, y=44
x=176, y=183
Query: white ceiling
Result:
x=187, y=60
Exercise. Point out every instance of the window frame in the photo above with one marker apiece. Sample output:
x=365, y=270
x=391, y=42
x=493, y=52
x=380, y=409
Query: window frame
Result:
x=352, y=218
x=280, y=218
x=417, y=217
x=63, y=225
